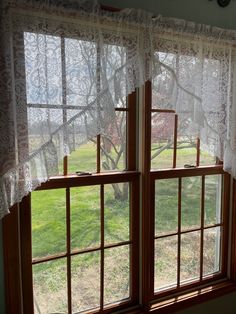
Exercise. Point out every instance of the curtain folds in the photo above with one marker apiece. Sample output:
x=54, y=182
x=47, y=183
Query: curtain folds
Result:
x=65, y=66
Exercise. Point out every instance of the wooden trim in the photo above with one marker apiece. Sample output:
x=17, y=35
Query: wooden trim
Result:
x=202, y=226
x=86, y=180
x=98, y=153
x=102, y=222
x=123, y=109
x=77, y=252
x=152, y=231
x=163, y=110
x=175, y=140
x=131, y=132
x=226, y=178
x=11, y=254
x=65, y=165
x=188, y=299
x=68, y=249
x=64, y=100
x=233, y=234
x=187, y=231
x=134, y=232
x=26, y=255
x=147, y=237
x=179, y=230
x=198, y=152
x=186, y=172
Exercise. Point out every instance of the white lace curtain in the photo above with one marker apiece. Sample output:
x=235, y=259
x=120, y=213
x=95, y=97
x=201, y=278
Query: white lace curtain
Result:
x=65, y=65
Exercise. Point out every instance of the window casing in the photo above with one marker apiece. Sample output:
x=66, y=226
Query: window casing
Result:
x=150, y=179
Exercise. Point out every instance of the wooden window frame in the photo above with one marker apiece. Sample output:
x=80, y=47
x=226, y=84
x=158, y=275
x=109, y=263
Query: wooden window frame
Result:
x=16, y=243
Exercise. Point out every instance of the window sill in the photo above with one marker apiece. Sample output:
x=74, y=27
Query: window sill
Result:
x=194, y=297
x=180, y=302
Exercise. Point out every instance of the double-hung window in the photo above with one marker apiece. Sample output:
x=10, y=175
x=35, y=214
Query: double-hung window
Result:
x=138, y=217
x=186, y=190
x=80, y=228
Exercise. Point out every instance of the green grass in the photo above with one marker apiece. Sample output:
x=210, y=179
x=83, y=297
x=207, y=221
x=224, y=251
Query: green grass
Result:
x=49, y=219
x=49, y=229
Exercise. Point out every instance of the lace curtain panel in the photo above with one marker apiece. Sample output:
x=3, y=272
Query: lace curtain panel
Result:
x=65, y=66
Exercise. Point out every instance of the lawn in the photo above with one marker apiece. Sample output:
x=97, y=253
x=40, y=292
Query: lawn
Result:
x=49, y=235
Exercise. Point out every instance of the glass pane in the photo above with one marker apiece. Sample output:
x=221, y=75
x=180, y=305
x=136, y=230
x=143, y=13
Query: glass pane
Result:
x=43, y=68
x=84, y=158
x=186, y=150
x=116, y=57
x=163, y=84
x=117, y=211
x=166, y=253
x=48, y=222
x=85, y=217
x=206, y=158
x=116, y=274
x=42, y=122
x=50, y=287
x=81, y=71
x=213, y=190
x=162, y=140
x=211, y=250
x=190, y=256
x=166, y=206
x=191, y=203
x=85, y=277
x=113, y=144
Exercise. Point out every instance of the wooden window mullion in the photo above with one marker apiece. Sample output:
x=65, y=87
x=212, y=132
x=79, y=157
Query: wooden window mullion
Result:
x=198, y=152
x=175, y=140
x=134, y=231
x=179, y=231
x=147, y=236
x=225, y=200
x=98, y=87
x=64, y=101
x=131, y=132
x=102, y=248
x=68, y=245
x=202, y=226
x=98, y=153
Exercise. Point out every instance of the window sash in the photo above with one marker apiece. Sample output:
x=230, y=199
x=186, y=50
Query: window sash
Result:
x=67, y=183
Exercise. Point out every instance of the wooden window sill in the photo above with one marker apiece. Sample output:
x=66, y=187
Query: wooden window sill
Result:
x=183, y=301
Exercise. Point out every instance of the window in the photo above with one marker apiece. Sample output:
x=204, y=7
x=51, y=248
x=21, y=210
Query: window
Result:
x=84, y=228
x=80, y=231
x=188, y=194
x=188, y=210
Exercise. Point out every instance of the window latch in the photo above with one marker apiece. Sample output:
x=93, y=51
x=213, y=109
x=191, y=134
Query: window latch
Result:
x=189, y=166
x=83, y=173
